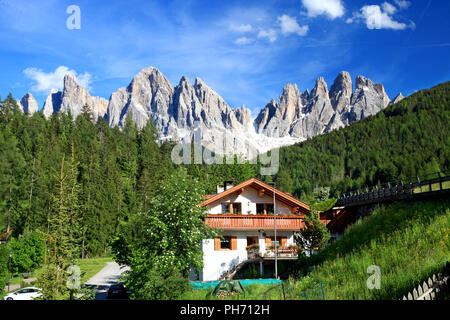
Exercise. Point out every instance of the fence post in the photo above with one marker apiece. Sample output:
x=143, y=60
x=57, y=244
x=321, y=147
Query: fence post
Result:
x=321, y=288
x=440, y=181
x=420, y=184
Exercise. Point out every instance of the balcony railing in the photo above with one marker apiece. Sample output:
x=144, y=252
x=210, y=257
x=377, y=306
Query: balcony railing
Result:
x=281, y=252
x=238, y=222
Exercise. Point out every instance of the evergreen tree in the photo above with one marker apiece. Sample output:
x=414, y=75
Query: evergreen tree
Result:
x=314, y=235
x=60, y=241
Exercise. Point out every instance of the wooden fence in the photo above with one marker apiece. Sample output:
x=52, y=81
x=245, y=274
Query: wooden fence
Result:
x=435, y=288
x=396, y=190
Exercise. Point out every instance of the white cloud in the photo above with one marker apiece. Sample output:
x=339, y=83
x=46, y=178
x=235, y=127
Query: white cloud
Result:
x=332, y=8
x=44, y=82
x=290, y=25
x=389, y=8
x=376, y=17
x=402, y=4
x=241, y=28
x=270, y=35
x=243, y=41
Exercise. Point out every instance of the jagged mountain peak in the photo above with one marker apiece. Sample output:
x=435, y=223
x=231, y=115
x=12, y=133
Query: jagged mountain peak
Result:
x=199, y=82
x=323, y=110
x=28, y=104
x=176, y=110
x=320, y=88
x=399, y=97
x=341, y=92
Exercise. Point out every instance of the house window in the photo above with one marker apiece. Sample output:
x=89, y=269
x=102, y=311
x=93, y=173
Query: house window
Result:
x=252, y=241
x=237, y=207
x=260, y=208
x=275, y=243
x=264, y=208
x=226, y=208
x=225, y=243
x=232, y=207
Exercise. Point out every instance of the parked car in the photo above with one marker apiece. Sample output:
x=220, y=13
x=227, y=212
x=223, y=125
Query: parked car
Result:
x=28, y=293
x=118, y=291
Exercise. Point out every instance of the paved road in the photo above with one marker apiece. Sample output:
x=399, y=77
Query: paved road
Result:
x=109, y=275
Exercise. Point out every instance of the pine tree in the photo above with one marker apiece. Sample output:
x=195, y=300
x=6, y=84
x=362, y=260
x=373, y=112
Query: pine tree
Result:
x=60, y=241
x=314, y=235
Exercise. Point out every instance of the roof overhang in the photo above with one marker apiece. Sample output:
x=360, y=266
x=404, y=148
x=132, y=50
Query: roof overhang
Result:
x=263, y=189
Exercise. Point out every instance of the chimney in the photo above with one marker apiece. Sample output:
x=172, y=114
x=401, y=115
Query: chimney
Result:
x=219, y=188
x=226, y=185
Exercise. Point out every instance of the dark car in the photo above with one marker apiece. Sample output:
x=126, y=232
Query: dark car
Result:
x=118, y=291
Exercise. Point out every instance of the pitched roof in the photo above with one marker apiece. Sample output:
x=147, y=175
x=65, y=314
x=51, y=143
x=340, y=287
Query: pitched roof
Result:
x=267, y=189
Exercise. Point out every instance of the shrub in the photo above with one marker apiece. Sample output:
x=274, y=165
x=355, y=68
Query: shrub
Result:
x=155, y=284
x=27, y=252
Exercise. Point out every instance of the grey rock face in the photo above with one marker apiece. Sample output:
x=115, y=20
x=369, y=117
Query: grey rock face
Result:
x=177, y=110
x=397, y=98
x=149, y=95
x=276, y=119
x=28, y=104
x=53, y=103
x=368, y=99
x=341, y=92
x=321, y=111
x=74, y=97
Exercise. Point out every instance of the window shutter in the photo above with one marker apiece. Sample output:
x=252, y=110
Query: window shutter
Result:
x=283, y=241
x=216, y=243
x=268, y=242
x=233, y=243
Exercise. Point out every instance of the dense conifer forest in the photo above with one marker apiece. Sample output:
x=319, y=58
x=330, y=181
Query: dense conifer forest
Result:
x=407, y=139
x=118, y=171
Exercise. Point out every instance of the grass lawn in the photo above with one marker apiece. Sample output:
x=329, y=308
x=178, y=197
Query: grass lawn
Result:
x=291, y=290
x=434, y=187
x=253, y=292
x=88, y=268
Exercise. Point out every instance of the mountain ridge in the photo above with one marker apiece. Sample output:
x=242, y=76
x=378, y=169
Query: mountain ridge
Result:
x=178, y=110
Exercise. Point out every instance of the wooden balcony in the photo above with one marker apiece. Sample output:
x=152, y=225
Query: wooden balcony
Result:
x=254, y=222
x=269, y=254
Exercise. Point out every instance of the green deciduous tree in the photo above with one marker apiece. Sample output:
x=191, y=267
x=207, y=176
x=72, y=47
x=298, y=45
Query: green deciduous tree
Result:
x=169, y=234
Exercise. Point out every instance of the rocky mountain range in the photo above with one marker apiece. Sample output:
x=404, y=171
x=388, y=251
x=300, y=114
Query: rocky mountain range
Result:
x=178, y=111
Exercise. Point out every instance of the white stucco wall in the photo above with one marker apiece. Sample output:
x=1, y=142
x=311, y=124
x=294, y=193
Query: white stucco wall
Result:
x=218, y=262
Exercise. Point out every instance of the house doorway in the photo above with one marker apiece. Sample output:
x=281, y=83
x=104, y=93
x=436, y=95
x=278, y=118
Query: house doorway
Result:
x=252, y=241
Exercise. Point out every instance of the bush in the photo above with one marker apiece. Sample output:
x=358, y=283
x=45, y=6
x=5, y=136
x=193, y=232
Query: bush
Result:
x=156, y=284
x=27, y=252
x=252, y=272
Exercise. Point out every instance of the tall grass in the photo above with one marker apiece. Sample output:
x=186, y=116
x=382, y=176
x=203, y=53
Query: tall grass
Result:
x=407, y=241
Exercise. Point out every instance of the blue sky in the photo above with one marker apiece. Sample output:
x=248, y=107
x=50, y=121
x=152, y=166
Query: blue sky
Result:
x=246, y=50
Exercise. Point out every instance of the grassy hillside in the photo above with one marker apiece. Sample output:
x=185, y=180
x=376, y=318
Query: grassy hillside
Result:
x=404, y=140
x=408, y=241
